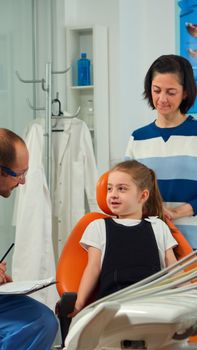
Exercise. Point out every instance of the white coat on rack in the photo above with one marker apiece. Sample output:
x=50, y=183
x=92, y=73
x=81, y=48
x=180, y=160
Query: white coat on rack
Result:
x=74, y=174
x=33, y=256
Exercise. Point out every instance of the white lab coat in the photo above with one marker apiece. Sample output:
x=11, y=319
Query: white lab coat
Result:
x=75, y=175
x=33, y=256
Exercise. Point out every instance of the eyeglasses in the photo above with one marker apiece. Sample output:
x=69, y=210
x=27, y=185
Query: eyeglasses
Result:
x=11, y=172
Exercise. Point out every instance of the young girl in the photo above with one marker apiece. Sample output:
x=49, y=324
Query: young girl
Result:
x=136, y=244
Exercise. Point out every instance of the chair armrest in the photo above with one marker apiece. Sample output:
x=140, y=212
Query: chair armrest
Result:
x=63, y=308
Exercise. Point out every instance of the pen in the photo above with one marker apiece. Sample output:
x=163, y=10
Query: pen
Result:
x=12, y=245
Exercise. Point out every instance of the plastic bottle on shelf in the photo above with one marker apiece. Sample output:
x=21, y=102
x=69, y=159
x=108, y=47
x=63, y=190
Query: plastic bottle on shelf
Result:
x=83, y=70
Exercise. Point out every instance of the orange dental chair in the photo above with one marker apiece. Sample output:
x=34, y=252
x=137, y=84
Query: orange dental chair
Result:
x=73, y=258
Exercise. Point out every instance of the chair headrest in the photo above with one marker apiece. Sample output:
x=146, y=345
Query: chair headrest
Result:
x=101, y=193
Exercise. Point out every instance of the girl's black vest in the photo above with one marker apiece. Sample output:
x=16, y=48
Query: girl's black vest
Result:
x=131, y=255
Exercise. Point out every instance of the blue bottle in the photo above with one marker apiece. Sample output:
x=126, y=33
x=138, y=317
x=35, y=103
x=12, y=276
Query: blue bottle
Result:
x=83, y=70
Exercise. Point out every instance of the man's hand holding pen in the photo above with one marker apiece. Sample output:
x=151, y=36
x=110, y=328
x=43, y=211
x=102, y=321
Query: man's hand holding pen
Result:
x=4, y=278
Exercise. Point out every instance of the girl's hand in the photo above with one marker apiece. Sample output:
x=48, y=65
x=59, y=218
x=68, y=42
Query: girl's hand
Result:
x=76, y=310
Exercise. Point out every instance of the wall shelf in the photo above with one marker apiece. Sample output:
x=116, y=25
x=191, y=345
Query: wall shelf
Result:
x=87, y=87
x=94, y=42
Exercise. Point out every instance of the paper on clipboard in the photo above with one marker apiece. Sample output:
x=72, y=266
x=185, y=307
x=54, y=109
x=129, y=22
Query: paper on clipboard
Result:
x=25, y=287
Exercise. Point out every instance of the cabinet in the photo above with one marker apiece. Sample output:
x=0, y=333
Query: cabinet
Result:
x=93, y=99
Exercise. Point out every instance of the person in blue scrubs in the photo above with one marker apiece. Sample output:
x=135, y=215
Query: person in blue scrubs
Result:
x=24, y=322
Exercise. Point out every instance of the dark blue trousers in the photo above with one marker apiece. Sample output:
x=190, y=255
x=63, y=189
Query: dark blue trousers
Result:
x=25, y=324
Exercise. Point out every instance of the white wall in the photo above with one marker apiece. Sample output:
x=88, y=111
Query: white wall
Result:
x=15, y=54
x=139, y=32
x=147, y=30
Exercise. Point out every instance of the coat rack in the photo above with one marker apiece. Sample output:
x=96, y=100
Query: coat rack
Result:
x=46, y=86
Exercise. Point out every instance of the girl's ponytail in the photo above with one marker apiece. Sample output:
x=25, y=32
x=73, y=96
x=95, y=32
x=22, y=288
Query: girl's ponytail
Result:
x=153, y=205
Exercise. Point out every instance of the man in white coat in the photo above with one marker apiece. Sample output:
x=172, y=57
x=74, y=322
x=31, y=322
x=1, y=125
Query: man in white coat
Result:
x=24, y=322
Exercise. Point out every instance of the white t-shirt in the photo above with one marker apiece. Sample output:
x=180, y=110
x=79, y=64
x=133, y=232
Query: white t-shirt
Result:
x=95, y=235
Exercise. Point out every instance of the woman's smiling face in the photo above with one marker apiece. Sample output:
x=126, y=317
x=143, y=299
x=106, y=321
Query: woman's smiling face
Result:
x=167, y=93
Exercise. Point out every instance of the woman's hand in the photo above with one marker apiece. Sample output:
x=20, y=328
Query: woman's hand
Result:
x=178, y=212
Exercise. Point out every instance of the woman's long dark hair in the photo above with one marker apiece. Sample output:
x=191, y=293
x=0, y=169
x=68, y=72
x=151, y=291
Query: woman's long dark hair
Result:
x=176, y=65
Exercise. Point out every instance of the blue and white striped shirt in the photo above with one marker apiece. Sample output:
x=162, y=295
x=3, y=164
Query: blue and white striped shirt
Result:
x=172, y=154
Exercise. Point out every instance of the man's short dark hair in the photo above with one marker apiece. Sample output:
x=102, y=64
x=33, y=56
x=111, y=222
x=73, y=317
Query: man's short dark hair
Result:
x=8, y=140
